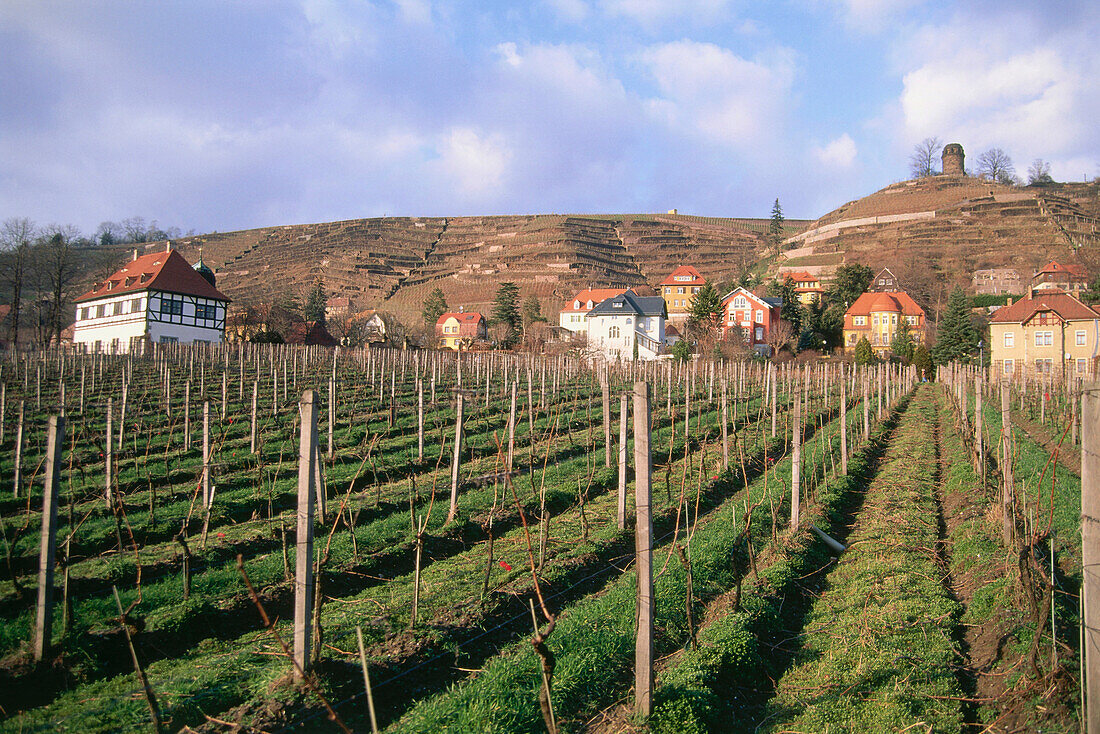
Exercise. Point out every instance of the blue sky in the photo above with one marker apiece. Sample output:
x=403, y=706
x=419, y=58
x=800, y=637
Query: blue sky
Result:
x=213, y=115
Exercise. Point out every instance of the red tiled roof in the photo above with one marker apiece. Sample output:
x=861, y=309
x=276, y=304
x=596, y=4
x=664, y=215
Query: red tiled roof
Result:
x=1056, y=268
x=596, y=295
x=801, y=276
x=696, y=278
x=463, y=317
x=1066, y=306
x=884, y=301
x=159, y=271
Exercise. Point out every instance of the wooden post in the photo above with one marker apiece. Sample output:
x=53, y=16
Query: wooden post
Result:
x=303, y=561
x=252, y=423
x=187, y=416
x=796, y=459
x=457, y=456
x=643, y=548
x=420, y=419
x=17, y=478
x=624, y=410
x=725, y=427
x=605, y=393
x=1008, y=488
x=512, y=427
x=206, y=454
x=109, y=454
x=43, y=624
x=332, y=416
x=843, y=423
x=1090, y=551
x=979, y=446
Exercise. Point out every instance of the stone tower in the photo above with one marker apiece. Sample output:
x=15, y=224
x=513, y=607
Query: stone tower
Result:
x=953, y=158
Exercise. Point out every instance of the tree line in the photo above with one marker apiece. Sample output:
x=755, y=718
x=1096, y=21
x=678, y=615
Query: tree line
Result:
x=994, y=164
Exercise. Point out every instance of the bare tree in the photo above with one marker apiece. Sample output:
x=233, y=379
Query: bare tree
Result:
x=922, y=162
x=996, y=165
x=16, y=237
x=1038, y=173
x=56, y=260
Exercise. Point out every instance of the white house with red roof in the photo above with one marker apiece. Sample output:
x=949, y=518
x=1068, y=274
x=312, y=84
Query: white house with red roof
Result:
x=572, y=316
x=679, y=290
x=756, y=317
x=156, y=298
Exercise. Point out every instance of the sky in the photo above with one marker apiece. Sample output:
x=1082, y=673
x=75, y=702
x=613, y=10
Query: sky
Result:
x=210, y=115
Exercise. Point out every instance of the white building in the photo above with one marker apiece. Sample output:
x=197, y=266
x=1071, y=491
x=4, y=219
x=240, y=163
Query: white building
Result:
x=572, y=316
x=156, y=298
x=627, y=327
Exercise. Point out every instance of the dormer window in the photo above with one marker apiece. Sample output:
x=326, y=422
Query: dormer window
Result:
x=590, y=304
x=576, y=305
x=618, y=304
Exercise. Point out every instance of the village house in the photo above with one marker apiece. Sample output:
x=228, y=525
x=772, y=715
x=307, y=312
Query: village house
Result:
x=1055, y=276
x=678, y=291
x=572, y=317
x=884, y=282
x=627, y=327
x=156, y=298
x=459, y=330
x=1047, y=332
x=877, y=317
x=807, y=286
x=756, y=317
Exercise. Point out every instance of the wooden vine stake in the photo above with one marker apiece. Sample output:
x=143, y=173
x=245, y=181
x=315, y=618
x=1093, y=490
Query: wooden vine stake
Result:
x=624, y=412
x=796, y=459
x=457, y=457
x=1008, y=487
x=1090, y=552
x=303, y=563
x=43, y=621
x=643, y=548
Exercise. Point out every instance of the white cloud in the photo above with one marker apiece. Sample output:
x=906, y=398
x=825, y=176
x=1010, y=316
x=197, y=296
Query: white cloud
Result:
x=415, y=12
x=332, y=26
x=720, y=95
x=873, y=16
x=979, y=84
x=651, y=13
x=572, y=11
x=476, y=163
x=839, y=153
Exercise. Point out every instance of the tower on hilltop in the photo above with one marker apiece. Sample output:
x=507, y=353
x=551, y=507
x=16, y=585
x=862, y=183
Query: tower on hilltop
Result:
x=953, y=158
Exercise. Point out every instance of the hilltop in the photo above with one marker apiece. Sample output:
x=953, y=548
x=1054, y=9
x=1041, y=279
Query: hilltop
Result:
x=934, y=232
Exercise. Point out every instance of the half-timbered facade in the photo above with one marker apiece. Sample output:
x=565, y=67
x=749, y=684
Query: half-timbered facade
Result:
x=157, y=298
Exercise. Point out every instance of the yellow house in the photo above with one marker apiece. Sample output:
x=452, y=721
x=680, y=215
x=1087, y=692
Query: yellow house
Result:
x=679, y=290
x=807, y=286
x=459, y=330
x=1047, y=332
x=877, y=317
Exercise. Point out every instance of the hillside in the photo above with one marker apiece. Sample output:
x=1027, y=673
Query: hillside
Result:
x=393, y=263
x=934, y=232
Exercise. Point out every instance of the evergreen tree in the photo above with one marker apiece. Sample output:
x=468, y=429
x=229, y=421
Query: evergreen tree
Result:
x=316, y=301
x=956, y=338
x=506, y=310
x=706, y=309
x=922, y=360
x=903, y=342
x=775, y=227
x=864, y=353
x=681, y=350
x=532, y=311
x=435, y=305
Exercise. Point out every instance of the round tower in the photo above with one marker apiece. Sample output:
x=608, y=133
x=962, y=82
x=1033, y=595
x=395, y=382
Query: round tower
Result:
x=953, y=160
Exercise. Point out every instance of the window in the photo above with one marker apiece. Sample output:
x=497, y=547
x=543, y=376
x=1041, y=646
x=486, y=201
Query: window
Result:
x=1009, y=366
x=912, y=320
x=1082, y=365
x=668, y=291
x=680, y=290
x=1079, y=337
x=208, y=311
x=576, y=304
x=172, y=306
x=894, y=319
x=1044, y=366
x=613, y=333
x=169, y=339
x=874, y=319
x=1010, y=340
x=1044, y=338
x=694, y=290
x=101, y=311
x=859, y=321
x=759, y=333
x=759, y=316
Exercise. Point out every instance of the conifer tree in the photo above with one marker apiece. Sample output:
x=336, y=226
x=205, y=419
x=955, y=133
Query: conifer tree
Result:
x=316, y=302
x=506, y=310
x=956, y=339
x=435, y=305
x=903, y=342
x=864, y=353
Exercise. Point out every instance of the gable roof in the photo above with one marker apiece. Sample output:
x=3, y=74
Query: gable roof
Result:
x=768, y=301
x=1066, y=306
x=462, y=317
x=631, y=304
x=801, y=276
x=1055, y=268
x=684, y=270
x=596, y=295
x=159, y=271
x=898, y=301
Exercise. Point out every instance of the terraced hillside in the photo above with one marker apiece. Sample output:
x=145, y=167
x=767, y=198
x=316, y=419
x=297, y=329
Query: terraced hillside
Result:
x=944, y=228
x=392, y=263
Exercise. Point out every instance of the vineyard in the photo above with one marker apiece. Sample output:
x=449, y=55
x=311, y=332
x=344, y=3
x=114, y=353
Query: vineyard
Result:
x=264, y=538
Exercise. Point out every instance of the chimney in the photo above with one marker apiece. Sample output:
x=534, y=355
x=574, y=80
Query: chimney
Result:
x=460, y=309
x=168, y=245
x=1030, y=292
x=135, y=254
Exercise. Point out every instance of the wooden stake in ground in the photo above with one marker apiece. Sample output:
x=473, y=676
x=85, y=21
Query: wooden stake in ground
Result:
x=150, y=699
x=43, y=621
x=605, y=394
x=796, y=459
x=843, y=422
x=17, y=472
x=1008, y=487
x=303, y=563
x=108, y=461
x=457, y=456
x=624, y=410
x=206, y=494
x=1090, y=551
x=643, y=549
